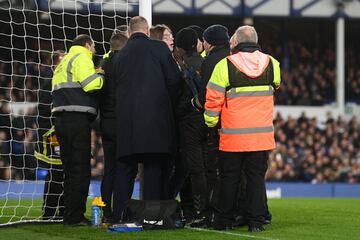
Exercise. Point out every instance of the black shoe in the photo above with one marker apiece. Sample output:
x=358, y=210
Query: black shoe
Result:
x=239, y=221
x=267, y=218
x=256, y=228
x=201, y=222
x=82, y=223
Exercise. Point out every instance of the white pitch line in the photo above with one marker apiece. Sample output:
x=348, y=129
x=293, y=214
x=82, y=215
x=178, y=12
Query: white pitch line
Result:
x=231, y=233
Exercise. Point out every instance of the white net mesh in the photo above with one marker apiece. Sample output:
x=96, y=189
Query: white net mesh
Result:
x=31, y=31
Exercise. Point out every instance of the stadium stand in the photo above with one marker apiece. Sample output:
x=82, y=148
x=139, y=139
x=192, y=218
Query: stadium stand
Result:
x=317, y=152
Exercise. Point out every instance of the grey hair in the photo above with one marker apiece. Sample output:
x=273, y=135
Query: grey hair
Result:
x=246, y=33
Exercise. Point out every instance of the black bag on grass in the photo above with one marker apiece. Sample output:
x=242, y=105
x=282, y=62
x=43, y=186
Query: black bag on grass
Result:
x=159, y=214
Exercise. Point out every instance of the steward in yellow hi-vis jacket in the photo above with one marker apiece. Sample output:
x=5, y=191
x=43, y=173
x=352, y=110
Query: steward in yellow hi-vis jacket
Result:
x=240, y=93
x=75, y=108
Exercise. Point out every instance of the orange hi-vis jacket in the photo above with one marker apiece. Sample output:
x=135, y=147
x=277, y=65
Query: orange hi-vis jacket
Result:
x=240, y=92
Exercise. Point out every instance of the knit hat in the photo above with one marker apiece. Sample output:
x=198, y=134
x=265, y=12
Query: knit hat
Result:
x=216, y=35
x=199, y=31
x=186, y=39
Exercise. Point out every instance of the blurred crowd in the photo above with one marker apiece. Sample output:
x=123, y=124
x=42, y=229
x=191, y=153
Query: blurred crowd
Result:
x=316, y=152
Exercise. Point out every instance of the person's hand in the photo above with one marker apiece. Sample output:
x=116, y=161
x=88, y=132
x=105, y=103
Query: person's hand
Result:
x=196, y=103
x=100, y=71
x=213, y=132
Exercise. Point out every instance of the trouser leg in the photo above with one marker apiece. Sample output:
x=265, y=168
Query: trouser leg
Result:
x=155, y=176
x=74, y=133
x=193, y=144
x=126, y=169
x=255, y=167
x=109, y=146
x=230, y=173
x=53, y=193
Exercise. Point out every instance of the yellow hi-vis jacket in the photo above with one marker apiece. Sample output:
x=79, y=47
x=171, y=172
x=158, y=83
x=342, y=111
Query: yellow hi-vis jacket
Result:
x=240, y=92
x=73, y=78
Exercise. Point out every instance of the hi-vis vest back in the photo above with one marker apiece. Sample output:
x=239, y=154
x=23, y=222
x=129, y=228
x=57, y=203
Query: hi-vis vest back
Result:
x=73, y=78
x=240, y=92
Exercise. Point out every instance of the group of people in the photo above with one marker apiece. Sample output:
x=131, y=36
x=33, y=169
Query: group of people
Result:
x=309, y=150
x=197, y=113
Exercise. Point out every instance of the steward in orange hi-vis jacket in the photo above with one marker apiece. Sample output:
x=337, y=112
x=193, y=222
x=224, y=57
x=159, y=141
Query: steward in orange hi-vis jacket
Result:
x=240, y=93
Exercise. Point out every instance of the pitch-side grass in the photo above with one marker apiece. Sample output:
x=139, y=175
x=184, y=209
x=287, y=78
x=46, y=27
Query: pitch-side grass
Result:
x=293, y=218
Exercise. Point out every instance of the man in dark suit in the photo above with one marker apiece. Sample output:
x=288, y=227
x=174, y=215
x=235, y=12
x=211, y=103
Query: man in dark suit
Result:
x=147, y=80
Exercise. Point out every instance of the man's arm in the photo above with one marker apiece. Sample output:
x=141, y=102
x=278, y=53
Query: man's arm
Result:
x=88, y=78
x=215, y=93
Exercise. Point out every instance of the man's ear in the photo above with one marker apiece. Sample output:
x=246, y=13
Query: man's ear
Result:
x=147, y=32
x=88, y=46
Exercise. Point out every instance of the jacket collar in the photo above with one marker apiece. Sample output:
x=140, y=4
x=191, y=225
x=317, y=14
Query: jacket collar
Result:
x=246, y=47
x=80, y=49
x=138, y=35
x=219, y=48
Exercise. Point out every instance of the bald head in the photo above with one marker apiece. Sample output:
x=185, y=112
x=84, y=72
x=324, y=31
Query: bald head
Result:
x=246, y=34
x=138, y=24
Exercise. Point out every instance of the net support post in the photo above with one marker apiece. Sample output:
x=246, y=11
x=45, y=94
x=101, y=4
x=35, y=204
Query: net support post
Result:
x=340, y=65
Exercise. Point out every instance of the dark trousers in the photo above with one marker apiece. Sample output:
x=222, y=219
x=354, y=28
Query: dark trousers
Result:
x=53, y=206
x=74, y=135
x=212, y=167
x=254, y=165
x=156, y=174
x=193, y=144
x=108, y=132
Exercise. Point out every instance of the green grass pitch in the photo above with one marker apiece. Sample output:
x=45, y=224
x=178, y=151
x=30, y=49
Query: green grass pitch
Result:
x=293, y=218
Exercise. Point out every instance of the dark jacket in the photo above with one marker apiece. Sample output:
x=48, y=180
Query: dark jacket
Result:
x=147, y=79
x=190, y=80
x=107, y=94
x=215, y=55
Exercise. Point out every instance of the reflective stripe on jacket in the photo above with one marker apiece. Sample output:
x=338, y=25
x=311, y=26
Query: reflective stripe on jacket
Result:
x=49, y=152
x=73, y=78
x=241, y=92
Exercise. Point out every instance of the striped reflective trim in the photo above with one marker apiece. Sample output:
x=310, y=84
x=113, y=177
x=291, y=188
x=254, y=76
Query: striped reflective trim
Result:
x=49, y=160
x=211, y=113
x=233, y=93
x=67, y=85
x=89, y=79
x=216, y=87
x=69, y=67
x=75, y=108
x=247, y=130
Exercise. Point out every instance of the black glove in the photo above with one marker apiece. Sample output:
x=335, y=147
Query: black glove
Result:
x=196, y=104
x=213, y=132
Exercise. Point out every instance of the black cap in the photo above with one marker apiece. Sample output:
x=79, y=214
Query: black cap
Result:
x=199, y=31
x=186, y=39
x=216, y=35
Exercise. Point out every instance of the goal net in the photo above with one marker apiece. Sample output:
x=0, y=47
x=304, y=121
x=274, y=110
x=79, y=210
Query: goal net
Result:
x=32, y=32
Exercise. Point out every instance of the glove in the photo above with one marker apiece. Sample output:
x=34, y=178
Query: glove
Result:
x=213, y=132
x=196, y=103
